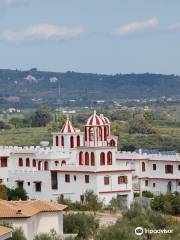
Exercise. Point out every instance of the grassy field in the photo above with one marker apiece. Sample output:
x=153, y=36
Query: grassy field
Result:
x=24, y=136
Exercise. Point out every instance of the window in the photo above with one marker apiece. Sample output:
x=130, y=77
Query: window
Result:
x=122, y=180
x=78, y=141
x=57, y=141
x=20, y=184
x=34, y=163
x=28, y=183
x=86, y=178
x=154, y=167
x=54, y=180
x=82, y=198
x=74, y=177
x=109, y=158
x=146, y=183
x=112, y=143
x=63, y=162
x=71, y=141
x=154, y=185
x=168, y=168
x=86, y=158
x=20, y=162
x=4, y=162
x=81, y=158
x=45, y=166
x=179, y=183
x=67, y=178
x=56, y=163
x=106, y=180
x=92, y=159
x=38, y=186
x=27, y=162
x=62, y=141
x=179, y=167
x=39, y=165
x=102, y=158
x=143, y=167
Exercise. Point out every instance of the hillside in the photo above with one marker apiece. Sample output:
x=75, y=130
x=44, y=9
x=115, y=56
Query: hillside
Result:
x=33, y=87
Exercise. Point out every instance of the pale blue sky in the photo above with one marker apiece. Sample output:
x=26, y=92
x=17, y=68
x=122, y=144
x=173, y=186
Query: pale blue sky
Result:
x=104, y=36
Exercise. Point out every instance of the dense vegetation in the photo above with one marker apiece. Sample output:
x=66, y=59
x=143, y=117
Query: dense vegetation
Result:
x=31, y=88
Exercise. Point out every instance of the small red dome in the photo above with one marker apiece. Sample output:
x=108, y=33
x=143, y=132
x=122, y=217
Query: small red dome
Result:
x=94, y=120
x=68, y=127
x=104, y=119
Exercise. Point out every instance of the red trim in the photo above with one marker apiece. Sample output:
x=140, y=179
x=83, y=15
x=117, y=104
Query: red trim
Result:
x=155, y=160
x=79, y=171
x=114, y=191
x=160, y=178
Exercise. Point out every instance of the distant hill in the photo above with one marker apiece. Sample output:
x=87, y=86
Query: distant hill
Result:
x=33, y=87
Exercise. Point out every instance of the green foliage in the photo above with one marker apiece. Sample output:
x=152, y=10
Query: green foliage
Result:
x=17, y=194
x=18, y=234
x=169, y=203
x=139, y=125
x=116, y=204
x=48, y=236
x=83, y=225
x=147, y=194
x=41, y=117
x=3, y=192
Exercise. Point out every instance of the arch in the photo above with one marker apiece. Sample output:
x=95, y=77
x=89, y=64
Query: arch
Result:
x=109, y=158
x=78, y=141
x=63, y=162
x=57, y=141
x=92, y=159
x=27, y=162
x=100, y=133
x=80, y=158
x=39, y=165
x=86, y=158
x=105, y=133
x=45, y=166
x=85, y=133
x=112, y=143
x=71, y=142
x=102, y=158
x=34, y=163
x=56, y=163
x=91, y=134
x=20, y=162
x=143, y=167
x=62, y=141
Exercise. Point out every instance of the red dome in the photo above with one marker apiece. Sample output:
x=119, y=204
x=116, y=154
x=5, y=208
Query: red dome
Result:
x=68, y=127
x=94, y=120
x=104, y=119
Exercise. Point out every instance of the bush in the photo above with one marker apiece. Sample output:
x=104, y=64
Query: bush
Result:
x=83, y=225
x=17, y=194
x=18, y=234
x=147, y=194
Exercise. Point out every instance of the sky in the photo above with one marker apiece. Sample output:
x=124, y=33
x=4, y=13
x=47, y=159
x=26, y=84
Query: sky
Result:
x=94, y=36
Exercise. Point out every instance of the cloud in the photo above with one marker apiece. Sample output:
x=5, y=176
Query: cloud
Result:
x=175, y=26
x=42, y=31
x=136, y=27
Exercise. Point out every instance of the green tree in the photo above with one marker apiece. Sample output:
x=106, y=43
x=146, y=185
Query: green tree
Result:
x=16, y=122
x=91, y=200
x=3, y=192
x=17, y=194
x=41, y=117
x=18, y=234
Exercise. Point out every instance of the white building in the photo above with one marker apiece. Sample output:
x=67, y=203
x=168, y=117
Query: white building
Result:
x=34, y=217
x=77, y=161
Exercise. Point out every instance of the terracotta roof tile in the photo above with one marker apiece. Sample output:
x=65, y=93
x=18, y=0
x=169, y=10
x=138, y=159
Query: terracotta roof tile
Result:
x=5, y=230
x=25, y=209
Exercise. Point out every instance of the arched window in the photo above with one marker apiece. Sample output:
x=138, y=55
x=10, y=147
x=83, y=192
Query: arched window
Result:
x=81, y=158
x=91, y=134
x=63, y=162
x=112, y=143
x=92, y=159
x=56, y=163
x=143, y=167
x=85, y=133
x=39, y=165
x=57, y=141
x=20, y=162
x=45, y=166
x=100, y=133
x=27, y=162
x=78, y=141
x=71, y=141
x=34, y=163
x=109, y=158
x=105, y=133
x=62, y=141
x=102, y=158
x=86, y=158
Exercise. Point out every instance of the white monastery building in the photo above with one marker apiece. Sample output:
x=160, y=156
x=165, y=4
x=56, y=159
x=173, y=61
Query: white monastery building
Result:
x=89, y=160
